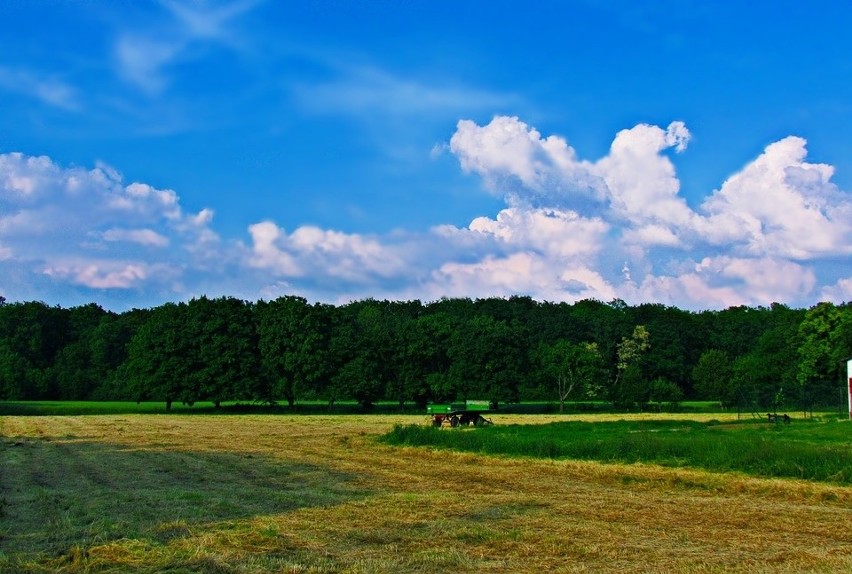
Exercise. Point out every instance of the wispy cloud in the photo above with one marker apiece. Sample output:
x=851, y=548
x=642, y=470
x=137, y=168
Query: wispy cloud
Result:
x=207, y=19
x=364, y=91
x=44, y=88
x=142, y=55
x=141, y=60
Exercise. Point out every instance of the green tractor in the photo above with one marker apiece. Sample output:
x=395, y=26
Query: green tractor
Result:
x=468, y=413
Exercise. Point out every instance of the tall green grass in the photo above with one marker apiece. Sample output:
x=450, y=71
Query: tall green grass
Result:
x=818, y=451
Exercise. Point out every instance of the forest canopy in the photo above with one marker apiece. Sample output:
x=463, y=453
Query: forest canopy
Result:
x=503, y=350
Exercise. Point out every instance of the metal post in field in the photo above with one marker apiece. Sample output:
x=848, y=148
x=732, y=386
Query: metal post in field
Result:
x=849, y=384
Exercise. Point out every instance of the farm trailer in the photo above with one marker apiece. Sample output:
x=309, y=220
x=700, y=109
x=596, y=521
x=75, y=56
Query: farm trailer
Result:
x=468, y=413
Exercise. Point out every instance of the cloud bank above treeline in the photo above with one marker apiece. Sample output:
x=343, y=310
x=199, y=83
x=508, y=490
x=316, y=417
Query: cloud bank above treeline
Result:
x=616, y=227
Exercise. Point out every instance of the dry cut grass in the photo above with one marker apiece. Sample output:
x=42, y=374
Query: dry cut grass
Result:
x=256, y=494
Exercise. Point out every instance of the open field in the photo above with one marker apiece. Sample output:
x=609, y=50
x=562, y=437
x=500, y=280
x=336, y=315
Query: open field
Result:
x=264, y=493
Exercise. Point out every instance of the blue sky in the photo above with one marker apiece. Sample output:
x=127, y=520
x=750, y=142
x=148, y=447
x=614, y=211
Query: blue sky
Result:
x=686, y=153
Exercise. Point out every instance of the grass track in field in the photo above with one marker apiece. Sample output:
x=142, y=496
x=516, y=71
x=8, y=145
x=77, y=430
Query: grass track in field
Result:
x=77, y=408
x=258, y=494
x=805, y=450
x=313, y=407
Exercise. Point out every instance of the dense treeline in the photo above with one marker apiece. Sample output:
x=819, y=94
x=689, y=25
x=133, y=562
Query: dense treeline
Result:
x=504, y=350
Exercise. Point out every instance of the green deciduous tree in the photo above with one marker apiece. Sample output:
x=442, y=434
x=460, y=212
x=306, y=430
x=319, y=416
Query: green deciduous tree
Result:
x=294, y=341
x=678, y=342
x=426, y=359
x=712, y=377
x=109, y=348
x=627, y=386
x=225, y=340
x=488, y=359
x=841, y=336
x=820, y=356
x=360, y=379
x=749, y=375
x=74, y=373
x=574, y=370
x=163, y=358
x=33, y=335
x=664, y=391
x=16, y=375
x=362, y=352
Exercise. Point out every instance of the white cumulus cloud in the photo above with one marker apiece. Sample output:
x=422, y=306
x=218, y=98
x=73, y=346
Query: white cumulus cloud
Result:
x=754, y=235
x=839, y=291
x=640, y=182
x=323, y=253
x=99, y=275
x=779, y=205
x=518, y=273
x=727, y=281
x=87, y=227
x=571, y=228
x=507, y=152
x=555, y=233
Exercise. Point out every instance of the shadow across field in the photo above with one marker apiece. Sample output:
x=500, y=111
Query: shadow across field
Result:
x=57, y=495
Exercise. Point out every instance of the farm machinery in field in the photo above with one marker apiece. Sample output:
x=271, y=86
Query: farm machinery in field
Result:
x=468, y=413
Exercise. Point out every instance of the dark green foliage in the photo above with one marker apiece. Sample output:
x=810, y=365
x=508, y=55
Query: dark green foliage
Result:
x=163, y=358
x=363, y=352
x=824, y=344
x=31, y=337
x=488, y=359
x=712, y=377
x=504, y=350
x=226, y=343
x=664, y=391
x=629, y=388
x=677, y=342
x=293, y=341
x=204, y=350
x=109, y=347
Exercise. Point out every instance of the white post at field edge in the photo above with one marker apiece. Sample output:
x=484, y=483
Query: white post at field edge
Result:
x=849, y=382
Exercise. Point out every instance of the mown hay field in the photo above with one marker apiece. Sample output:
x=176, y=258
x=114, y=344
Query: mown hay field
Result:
x=266, y=493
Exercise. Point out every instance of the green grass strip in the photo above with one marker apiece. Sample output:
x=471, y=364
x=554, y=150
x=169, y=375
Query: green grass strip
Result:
x=82, y=408
x=818, y=451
